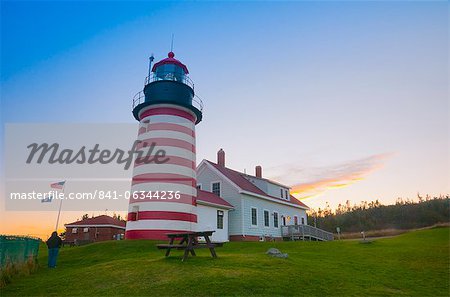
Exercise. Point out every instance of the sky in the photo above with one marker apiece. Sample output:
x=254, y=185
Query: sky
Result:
x=339, y=100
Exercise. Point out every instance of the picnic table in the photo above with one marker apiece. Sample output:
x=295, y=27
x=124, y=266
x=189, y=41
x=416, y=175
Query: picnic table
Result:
x=189, y=242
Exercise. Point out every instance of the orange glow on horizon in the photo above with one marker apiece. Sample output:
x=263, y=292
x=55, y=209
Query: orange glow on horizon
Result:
x=337, y=179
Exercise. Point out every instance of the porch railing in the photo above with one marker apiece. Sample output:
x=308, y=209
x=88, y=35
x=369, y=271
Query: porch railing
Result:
x=305, y=231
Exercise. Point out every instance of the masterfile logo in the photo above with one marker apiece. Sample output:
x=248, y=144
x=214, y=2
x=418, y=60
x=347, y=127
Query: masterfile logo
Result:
x=97, y=160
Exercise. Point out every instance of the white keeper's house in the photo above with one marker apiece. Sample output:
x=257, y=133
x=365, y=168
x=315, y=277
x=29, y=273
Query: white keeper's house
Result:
x=257, y=209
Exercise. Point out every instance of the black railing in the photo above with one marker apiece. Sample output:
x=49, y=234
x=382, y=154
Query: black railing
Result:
x=140, y=98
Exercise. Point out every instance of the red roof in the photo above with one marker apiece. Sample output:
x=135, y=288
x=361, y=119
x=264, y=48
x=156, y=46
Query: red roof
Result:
x=209, y=197
x=170, y=60
x=246, y=185
x=100, y=220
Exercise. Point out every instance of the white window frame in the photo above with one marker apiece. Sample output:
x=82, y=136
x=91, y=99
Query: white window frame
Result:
x=282, y=193
x=251, y=216
x=217, y=219
x=264, y=218
x=296, y=219
x=220, y=187
x=74, y=230
x=199, y=187
x=303, y=220
x=85, y=229
x=278, y=219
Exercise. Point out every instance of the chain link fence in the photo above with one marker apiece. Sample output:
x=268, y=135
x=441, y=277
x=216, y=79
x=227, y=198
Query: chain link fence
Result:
x=17, y=250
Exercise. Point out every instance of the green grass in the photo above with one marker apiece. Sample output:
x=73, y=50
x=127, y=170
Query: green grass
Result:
x=415, y=263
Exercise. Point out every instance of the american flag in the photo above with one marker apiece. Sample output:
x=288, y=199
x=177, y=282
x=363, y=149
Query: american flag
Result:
x=47, y=198
x=58, y=185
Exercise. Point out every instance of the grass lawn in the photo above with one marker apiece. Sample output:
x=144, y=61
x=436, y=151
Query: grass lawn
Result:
x=415, y=263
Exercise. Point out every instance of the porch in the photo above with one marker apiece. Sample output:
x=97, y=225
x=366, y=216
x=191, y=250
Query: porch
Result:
x=305, y=232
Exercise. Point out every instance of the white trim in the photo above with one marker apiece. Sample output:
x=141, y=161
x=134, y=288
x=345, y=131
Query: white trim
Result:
x=264, y=218
x=272, y=199
x=95, y=225
x=278, y=219
x=251, y=216
x=201, y=202
x=242, y=217
x=220, y=187
x=201, y=186
x=217, y=219
x=200, y=168
x=221, y=175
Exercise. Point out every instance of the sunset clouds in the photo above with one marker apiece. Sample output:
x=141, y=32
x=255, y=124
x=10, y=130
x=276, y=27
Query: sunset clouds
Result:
x=311, y=182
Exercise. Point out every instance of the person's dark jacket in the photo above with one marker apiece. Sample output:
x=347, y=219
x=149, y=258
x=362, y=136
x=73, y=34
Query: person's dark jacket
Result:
x=54, y=241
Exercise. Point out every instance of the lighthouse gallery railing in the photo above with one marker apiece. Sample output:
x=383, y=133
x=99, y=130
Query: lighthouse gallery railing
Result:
x=140, y=97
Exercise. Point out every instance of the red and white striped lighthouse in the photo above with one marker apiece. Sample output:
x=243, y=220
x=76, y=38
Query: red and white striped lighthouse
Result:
x=164, y=189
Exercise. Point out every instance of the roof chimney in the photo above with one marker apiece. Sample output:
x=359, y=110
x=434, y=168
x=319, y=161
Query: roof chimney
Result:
x=221, y=158
x=258, y=171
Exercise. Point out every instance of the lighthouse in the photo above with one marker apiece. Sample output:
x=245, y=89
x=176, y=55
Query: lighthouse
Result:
x=163, y=189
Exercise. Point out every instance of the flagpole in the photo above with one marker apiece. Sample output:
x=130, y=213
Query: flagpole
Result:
x=60, y=204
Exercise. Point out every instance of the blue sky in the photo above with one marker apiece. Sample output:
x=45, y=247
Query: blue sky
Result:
x=348, y=97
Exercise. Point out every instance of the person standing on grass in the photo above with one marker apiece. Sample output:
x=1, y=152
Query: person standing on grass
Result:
x=53, y=244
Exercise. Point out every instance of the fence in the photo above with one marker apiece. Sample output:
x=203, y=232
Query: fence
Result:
x=17, y=250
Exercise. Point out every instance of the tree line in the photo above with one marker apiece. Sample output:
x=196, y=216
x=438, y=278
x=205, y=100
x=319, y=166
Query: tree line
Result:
x=366, y=216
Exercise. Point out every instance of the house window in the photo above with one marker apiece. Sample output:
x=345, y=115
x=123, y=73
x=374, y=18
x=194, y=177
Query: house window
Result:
x=275, y=219
x=303, y=221
x=266, y=218
x=220, y=219
x=86, y=230
x=283, y=220
x=295, y=220
x=216, y=188
x=199, y=186
x=74, y=230
x=254, y=217
x=281, y=191
x=287, y=195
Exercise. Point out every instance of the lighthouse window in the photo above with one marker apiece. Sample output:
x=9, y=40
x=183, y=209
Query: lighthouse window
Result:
x=220, y=219
x=216, y=188
x=134, y=215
